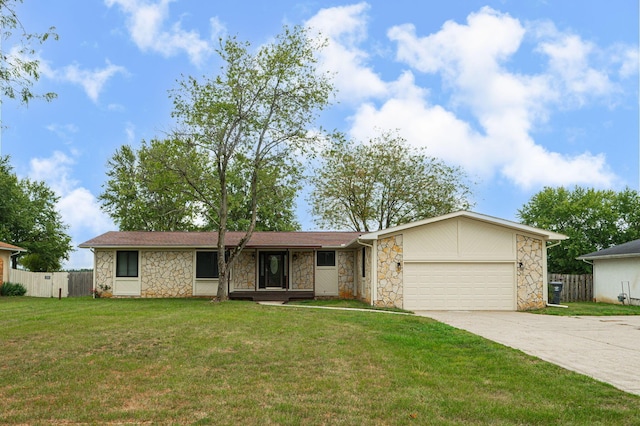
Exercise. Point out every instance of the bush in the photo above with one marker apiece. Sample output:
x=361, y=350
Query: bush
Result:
x=12, y=289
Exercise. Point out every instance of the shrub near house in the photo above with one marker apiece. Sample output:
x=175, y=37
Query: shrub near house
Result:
x=12, y=289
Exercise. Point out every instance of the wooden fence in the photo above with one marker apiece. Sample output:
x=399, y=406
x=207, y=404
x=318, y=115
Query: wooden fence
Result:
x=80, y=283
x=575, y=288
x=52, y=284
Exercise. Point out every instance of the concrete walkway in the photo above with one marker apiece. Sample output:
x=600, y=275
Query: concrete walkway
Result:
x=605, y=348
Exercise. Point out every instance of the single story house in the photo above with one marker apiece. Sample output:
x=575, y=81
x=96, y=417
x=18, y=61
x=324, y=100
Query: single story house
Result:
x=616, y=273
x=462, y=260
x=6, y=252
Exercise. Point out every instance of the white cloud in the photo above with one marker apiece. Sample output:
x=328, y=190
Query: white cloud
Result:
x=78, y=207
x=91, y=81
x=54, y=171
x=63, y=131
x=628, y=59
x=345, y=27
x=506, y=107
x=130, y=131
x=573, y=75
x=146, y=25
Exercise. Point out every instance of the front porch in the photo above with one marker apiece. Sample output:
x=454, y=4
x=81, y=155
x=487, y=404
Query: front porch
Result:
x=271, y=296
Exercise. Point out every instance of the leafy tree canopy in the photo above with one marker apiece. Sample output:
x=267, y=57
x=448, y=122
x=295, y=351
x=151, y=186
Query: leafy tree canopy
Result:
x=167, y=185
x=29, y=219
x=19, y=66
x=383, y=183
x=592, y=219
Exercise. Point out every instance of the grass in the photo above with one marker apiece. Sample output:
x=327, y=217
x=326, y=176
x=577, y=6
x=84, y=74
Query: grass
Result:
x=187, y=361
x=590, y=309
x=343, y=303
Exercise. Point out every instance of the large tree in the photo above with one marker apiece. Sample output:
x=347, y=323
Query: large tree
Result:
x=252, y=119
x=143, y=194
x=29, y=219
x=167, y=185
x=19, y=66
x=593, y=220
x=383, y=183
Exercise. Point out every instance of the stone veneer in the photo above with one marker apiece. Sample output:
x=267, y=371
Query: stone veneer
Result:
x=389, y=289
x=346, y=264
x=244, y=271
x=530, y=278
x=166, y=273
x=302, y=270
x=105, y=260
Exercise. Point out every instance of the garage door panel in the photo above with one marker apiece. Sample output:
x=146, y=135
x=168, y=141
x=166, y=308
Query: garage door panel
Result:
x=459, y=286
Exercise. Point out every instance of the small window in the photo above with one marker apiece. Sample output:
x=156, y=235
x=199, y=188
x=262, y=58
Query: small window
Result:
x=206, y=264
x=127, y=264
x=326, y=258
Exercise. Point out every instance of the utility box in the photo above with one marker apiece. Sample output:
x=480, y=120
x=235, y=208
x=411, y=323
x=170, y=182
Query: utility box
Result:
x=556, y=286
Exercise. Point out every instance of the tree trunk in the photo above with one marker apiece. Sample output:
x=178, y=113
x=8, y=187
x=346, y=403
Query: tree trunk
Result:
x=223, y=269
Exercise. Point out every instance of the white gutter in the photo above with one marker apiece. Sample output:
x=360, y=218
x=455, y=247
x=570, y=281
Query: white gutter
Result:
x=93, y=289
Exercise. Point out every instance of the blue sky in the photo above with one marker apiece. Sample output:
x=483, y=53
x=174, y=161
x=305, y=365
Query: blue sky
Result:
x=521, y=94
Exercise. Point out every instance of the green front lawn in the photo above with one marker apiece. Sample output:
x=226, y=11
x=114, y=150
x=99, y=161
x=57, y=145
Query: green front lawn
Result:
x=590, y=309
x=195, y=362
x=343, y=303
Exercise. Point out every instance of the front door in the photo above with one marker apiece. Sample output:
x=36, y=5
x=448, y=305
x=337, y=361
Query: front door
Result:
x=273, y=269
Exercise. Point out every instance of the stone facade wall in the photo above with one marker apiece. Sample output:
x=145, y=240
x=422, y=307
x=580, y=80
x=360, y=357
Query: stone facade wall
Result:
x=166, y=273
x=530, y=274
x=302, y=270
x=244, y=271
x=346, y=264
x=105, y=265
x=390, y=285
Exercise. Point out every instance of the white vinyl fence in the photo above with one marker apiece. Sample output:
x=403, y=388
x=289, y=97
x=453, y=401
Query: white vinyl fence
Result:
x=41, y=284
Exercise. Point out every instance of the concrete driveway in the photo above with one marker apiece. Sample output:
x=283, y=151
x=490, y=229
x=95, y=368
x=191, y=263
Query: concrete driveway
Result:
x=605, y=348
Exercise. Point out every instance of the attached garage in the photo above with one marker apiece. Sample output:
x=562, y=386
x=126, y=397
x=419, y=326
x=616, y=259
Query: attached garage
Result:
x=459, y=286
x=460, y=261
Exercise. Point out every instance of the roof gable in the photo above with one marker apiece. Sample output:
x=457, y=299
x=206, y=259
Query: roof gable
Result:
x=546, y=235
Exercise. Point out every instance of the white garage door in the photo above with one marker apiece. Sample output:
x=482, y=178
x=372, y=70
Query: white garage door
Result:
x=459, y=286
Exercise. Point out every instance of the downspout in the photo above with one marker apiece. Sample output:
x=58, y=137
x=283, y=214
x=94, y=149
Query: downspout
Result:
x=93, y=289
x=373, y=271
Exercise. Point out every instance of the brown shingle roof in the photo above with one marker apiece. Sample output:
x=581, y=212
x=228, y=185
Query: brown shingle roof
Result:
x=132, y=239
x=10, y=247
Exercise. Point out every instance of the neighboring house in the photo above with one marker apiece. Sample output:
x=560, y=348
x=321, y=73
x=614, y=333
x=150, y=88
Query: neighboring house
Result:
x=616, y=273
x=6, y=252
x=462, y=260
